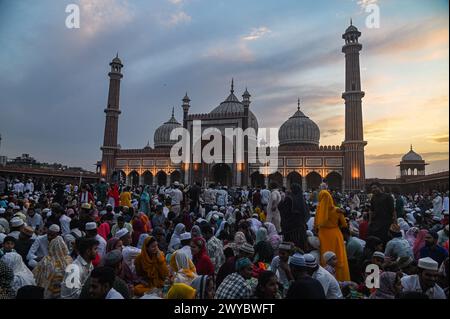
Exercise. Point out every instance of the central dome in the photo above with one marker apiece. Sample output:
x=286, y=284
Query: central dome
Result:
x=299, y=130
x=233, y=105
x=161, y=138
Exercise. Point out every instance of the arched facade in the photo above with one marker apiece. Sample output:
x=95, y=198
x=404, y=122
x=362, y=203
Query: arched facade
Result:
x=334, y=181
x=161, y=178
x=313, y=180
x=147, y=178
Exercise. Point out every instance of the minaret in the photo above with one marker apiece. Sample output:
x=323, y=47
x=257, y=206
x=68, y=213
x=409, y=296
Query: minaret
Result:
x=112, y=111
x=186, y=100
x=354, y=167
x=245, y=124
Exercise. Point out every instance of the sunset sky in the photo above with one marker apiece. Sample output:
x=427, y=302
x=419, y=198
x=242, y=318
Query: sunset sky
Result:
x=54, y=84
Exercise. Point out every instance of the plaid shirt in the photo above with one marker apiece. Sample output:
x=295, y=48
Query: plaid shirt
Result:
x=234, y=286
x=214, y=248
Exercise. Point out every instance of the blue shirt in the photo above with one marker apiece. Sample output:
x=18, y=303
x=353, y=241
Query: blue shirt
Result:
x=437, y=253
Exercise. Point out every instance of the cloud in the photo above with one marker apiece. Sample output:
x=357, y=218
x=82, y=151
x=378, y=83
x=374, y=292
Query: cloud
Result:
x=398, y=156
x=103, y=15
x=176, y=2
x=440, y=138
x=400, y=41
x=256, y=33
x=365, y=3
x=332, y=132
x=177, y=18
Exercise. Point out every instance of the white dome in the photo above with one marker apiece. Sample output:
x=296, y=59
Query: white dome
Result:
x=233, y=105
x=299, y=129
x=161, y=138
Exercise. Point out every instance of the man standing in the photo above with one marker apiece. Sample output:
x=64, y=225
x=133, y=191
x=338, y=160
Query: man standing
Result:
x=445, y=202
x=437, y=204
x=382, y=213
x=425, y=281
x=294, y=215
x=177, y=197
x=265, y=195
x=273, y=214
x=77, y=273
x=101, y=191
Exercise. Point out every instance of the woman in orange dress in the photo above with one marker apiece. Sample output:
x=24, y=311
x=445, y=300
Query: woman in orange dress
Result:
x=151, y=267
x=327, y=223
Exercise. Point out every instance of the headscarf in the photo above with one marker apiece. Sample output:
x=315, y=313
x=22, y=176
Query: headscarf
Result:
x=175, y=239
x=200, y=285
x=200, y=242
x=6, y=280
x=419, y=243
x=272, y=235
x=112, y=244
x=261, y=235
x=411, y=235
x=183, y=267
x=52, y=267
x=181, y=291
x=154, y=266
x=325, y=206
x=22, y=275
x=387, y=286
x=404, y=226
x=141, y=240
x=129, y=256
x=239, y=240
x=196, y=231
x=5, y=225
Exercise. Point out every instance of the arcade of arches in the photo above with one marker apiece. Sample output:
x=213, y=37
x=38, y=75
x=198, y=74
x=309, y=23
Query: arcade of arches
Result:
x=221, y=174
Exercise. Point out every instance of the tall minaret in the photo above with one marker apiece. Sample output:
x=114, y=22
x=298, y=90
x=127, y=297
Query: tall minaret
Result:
x=354, y=167
x=112, y=111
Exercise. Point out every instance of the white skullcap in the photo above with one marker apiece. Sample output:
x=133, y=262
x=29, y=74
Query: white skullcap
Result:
x=314, y=241
x=54, y=228
x=185, y=236
x=90, y=226
x=121, y=232
x=428, y=264
x=2, y=210
x=328, y=255
x=16, y=222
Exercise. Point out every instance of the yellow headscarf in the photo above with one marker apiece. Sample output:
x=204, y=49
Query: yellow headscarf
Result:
x=153, y=266
x=325, y=206
x=181, y=291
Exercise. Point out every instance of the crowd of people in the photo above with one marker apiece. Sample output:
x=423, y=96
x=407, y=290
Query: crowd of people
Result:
x=110, y=241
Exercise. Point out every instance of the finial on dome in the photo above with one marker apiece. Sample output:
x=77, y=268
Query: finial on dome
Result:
x=173, y=111
x=232, y=85
x=351, y=21
x=298, y=104
x=411, y=147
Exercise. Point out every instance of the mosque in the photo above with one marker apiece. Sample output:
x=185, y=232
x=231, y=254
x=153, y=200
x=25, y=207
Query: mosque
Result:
x=301, y=158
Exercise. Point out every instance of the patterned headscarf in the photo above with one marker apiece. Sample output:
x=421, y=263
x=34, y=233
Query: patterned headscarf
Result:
x=6, y=279
x=22, y=275
x=387, y=286
x=54, y=264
